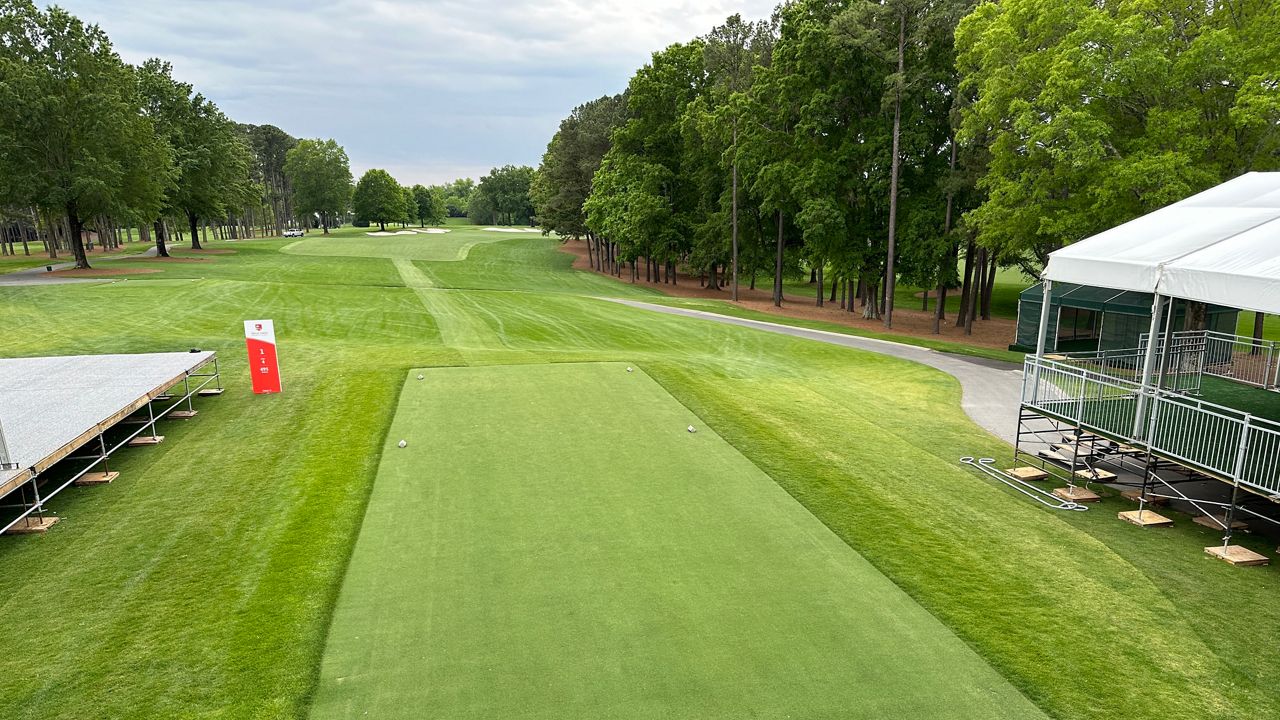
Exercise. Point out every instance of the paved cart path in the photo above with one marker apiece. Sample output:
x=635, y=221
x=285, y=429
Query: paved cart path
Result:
x=991, y=388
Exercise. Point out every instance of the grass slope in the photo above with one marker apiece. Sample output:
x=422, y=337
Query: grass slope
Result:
x=201, y=583
x=552, y=543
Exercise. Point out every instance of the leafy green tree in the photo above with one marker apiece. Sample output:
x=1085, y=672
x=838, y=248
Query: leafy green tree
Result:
x=270, y=146
x=457, y=196
x=731, y=52
x=320, y=175
x=378, y=198
x=211, y=156
x=504, y=196
x=898, y=34
x=563, y=180
x=70, y=126
x=1098, y=112
x=642, y=202
x=428, y=205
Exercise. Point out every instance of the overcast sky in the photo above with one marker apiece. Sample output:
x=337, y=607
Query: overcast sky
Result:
x=428, y=90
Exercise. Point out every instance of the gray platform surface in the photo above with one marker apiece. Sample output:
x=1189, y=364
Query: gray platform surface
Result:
x=48, y=402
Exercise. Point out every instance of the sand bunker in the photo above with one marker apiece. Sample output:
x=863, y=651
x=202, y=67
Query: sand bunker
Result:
x=432, y=231
x=512, y=230
x=388, y=234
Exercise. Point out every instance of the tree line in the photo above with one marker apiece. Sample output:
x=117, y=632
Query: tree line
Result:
x=94, y=147
x=924, y=142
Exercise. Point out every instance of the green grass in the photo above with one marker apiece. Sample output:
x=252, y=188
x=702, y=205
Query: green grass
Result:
x=539, y=551
x=12, y=263
x=1270, y=326
x=202, y=582
x=1004, y=295
x=445, y=246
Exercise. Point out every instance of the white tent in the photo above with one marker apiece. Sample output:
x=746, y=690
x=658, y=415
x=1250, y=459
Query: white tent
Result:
x=1221, y=246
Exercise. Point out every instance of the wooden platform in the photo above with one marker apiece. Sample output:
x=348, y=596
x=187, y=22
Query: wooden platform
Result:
x=1096, y=475
x=1144, y=518
x=30, y=525
x=145, y=440
x=1076, y=494
x=1219, y=522
x=1027, y=473
x=1237, y=555
x=1135, y=495
x=97, y=478
x=183, y=414
x=209, y=391
x=1067, y=451
x=1122, y=449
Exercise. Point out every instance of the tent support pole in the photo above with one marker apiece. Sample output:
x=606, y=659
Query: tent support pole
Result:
x=1148, y=365
x=1042, y=336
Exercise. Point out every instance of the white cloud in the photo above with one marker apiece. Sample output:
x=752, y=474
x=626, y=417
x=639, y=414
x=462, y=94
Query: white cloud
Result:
x=428, y=90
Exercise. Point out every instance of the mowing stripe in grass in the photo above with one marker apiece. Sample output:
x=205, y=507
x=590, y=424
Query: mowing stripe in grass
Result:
x=553, y=543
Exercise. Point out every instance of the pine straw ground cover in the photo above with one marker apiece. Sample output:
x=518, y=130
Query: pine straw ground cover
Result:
x=202, y=582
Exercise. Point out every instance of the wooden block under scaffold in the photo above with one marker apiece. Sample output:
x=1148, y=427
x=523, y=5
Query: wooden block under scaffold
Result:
x=1027, y=473
x=29, y=525
x=1219, y=522
x=1096, y=475
x=182, y=414
x=1237, y=555
x=96, y=478
x=210, y=391
x=1144, y=518
x=1076, y=494
x=1135, y=495
x=145, y=440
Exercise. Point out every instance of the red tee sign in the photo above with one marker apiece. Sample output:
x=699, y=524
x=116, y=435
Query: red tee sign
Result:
x=260, y=336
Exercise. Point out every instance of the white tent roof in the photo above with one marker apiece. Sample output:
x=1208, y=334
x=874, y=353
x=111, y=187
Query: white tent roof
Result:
x=1221, y=246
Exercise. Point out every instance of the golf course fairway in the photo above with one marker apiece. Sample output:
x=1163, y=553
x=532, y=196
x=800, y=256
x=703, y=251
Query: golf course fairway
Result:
x=552, y=542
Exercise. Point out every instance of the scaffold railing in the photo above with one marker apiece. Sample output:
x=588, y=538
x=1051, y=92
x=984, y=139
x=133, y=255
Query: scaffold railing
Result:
x=1220, y=440
x=1238, y=358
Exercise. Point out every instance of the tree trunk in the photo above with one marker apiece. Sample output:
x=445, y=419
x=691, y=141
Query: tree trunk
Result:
x=777, y=266
x=940, y=312
x=975, y=291
x=77, y=241
x=835, y=280
x=1197, y=316
x=821, y=285
x=966, y=286
x=735, y=209
x=382, y=226
x=161, y=249
x=871, y=301
x=1259, y=325
x=711, y=279
x=989, y=285
x=894, y=169
x=192, y=219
